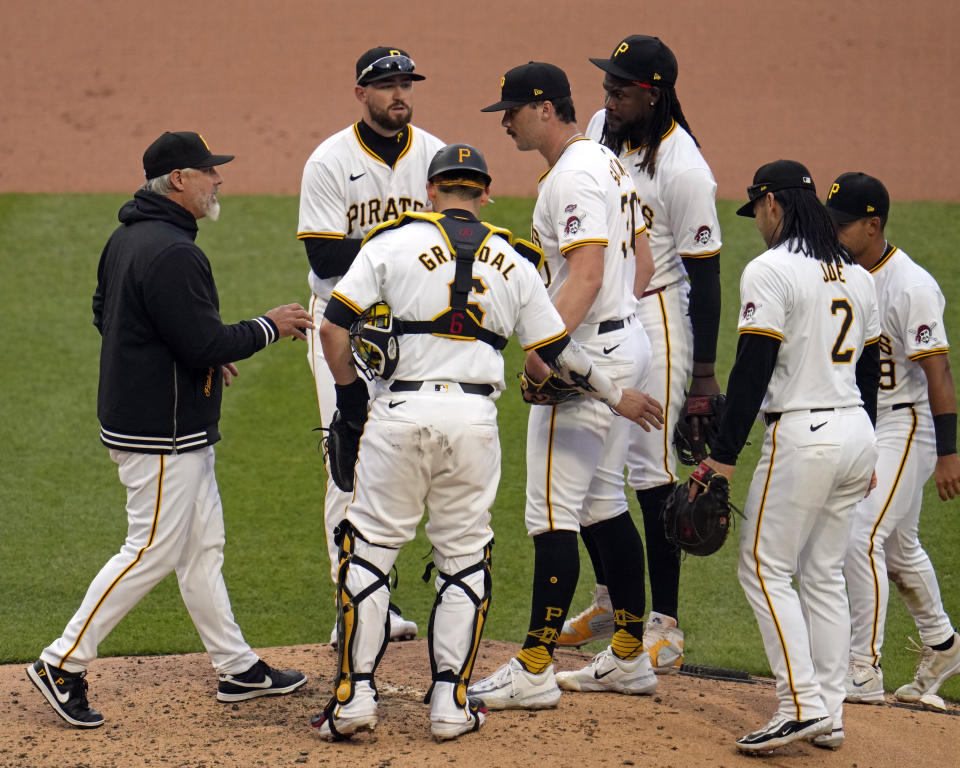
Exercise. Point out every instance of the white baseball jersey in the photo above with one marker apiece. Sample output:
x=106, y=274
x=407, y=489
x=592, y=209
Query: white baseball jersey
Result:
x=347, y=189
x=582, y=199
x=822, y=314
x=678, y=204
x=411, y=267
x=911, y=306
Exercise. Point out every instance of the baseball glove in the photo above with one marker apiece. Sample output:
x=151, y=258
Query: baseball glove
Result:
x=340, y=447
x=693, y=444
x=551, y=391
x=699, y=527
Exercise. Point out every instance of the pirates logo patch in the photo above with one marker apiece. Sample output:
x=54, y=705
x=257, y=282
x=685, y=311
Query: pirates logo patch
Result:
x=572, y=225
x=703, y=235
x=924, y=334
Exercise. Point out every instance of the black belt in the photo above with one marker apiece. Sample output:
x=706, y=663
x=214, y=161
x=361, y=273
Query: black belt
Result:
x=773, y=418
x=661, y=289
x=401, y=385
x=901, y=406
x=611, y=325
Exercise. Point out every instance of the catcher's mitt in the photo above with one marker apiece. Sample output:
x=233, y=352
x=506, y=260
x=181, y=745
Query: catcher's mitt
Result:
x=551, y=391
x=340, y=447
x=699, y=527
x=693, y=445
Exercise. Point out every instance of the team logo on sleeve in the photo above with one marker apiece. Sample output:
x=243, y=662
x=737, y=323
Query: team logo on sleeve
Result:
x=749, y=311
x=573, y=224
x=570, y=208
x=703, y=235
x=924, y=334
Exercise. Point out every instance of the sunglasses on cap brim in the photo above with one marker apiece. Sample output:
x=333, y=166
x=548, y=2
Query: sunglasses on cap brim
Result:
x=393, y=64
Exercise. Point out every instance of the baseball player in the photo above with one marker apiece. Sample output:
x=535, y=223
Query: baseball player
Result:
x=368, y=173
x=643, y=123
x=583, y=220
x=807, y=360
x=916, y=437
x=457, y=289
x=164, y=359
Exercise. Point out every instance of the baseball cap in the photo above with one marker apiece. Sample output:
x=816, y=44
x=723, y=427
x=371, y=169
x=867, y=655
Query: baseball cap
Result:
x=856, y=196
x=179, y=149
x=772, y=177
x=535, y=81
x=458, y=157
x=385, y=61
x=641, y=60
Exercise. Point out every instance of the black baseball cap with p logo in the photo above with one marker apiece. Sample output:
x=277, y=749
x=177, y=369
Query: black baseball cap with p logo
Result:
x=535, y=81
x=857, y=196
x=179, y=149
x=456, y=161
x=772, y=177
x=642, y=60
x=382, y=62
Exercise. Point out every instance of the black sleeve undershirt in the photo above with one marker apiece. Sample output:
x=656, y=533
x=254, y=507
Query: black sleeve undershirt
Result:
x=749, y=377
x=330, y=257
x=868, y=378
x=704, y=305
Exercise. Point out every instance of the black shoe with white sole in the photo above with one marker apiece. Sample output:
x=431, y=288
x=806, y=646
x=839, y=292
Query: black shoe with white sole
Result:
x=259, y=680
x=66, y=692
x=781, y=731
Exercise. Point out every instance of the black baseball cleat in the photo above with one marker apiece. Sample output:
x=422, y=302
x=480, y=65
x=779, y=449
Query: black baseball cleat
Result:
x=781, y=731
x=66, y=692
x=259, y=680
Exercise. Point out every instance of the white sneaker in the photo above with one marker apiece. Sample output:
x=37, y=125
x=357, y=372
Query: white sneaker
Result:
x=512, y=687
x=832, y=740
x=595, y=622
x=608, y=673
x=935, y=667
x=341, y=721
x=781, y=731
x=449, y=720
x=401, y=628
x=663, y=640
x=863, y=683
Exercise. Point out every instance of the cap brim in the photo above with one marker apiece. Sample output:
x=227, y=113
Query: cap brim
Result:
x=842, y=217
x=383, y=76
x=502, y=105
x=215, y=160
x=747, y=210
x=608, y=66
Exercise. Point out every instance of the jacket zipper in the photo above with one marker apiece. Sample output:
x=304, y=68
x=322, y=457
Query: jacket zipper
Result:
x=176, y=401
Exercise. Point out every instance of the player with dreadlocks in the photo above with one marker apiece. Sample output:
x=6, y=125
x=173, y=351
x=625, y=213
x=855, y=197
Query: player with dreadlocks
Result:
x=808, y=361
x=643, y=124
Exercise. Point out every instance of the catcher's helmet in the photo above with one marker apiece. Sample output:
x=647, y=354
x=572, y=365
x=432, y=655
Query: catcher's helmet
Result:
x=458, y=157
x=373, y=340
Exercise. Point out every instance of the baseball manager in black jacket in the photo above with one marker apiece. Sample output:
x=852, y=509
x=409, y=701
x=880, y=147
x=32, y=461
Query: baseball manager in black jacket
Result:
x=164, y=358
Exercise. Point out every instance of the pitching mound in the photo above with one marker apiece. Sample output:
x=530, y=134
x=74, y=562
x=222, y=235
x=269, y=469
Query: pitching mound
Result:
x=162, y=711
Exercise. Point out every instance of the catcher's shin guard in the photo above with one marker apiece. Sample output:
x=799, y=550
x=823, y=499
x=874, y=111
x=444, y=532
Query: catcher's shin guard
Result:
x=456, y=622
x=363, y=599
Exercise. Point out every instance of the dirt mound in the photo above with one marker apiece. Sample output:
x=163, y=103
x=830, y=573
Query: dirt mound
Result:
x=161, y=710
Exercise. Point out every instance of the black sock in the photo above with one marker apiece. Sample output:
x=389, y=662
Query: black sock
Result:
x=556, y=569
x=945, y=646
x=586, y=533
x=621, y=548
x=663, y=558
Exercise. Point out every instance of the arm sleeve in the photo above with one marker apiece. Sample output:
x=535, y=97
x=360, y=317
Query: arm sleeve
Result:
x=704, y=275
x=868, y=378
x=181, y=300
x=749, y=377
x=329, y=256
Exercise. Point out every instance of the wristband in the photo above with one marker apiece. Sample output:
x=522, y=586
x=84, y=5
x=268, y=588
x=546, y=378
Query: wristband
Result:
x=352, y=400
x=702, y=375
x=945, y=429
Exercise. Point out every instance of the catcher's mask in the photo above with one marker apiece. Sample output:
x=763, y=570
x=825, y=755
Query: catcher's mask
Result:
x=373, y=340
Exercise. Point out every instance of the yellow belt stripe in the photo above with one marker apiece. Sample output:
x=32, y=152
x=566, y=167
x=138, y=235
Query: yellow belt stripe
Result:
x=125, y=571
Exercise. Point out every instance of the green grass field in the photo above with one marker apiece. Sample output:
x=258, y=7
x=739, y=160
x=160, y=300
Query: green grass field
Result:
x=61, y=505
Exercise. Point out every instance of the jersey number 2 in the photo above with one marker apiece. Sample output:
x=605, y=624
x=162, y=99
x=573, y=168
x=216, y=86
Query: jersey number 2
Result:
x=842, y=305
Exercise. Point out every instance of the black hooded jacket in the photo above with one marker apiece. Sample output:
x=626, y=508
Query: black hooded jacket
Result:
x=163, y=343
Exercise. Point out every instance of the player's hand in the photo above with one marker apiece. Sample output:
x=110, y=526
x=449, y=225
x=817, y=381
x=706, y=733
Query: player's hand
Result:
x=873, y=484
x=947, y=476
x=724, y=469
x=702, y=384
x=291, y=320
x=536, y=369
x=230, y=372
x=640, y=408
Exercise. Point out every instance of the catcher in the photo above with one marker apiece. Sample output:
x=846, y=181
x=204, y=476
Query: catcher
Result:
x=457, y=288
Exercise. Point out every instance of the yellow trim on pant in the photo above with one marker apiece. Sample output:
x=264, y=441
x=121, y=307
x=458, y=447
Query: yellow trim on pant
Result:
x=667, y=435
x=756, y=560
x=125, y=571
x=553, y=421
x=873, y=571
